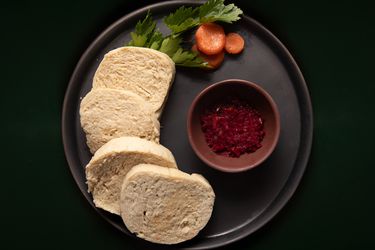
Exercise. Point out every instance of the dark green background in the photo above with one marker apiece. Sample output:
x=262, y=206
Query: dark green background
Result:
x=333, y=42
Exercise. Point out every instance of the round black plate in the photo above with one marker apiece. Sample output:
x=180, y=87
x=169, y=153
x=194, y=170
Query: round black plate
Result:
x=245, y=201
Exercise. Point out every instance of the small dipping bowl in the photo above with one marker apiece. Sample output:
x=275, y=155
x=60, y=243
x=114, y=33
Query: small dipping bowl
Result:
x=257, y=98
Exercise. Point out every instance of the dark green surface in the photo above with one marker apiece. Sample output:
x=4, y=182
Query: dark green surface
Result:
x=333, y=42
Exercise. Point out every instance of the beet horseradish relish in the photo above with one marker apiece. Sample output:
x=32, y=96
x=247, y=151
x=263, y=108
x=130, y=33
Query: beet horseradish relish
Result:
x=232, y=127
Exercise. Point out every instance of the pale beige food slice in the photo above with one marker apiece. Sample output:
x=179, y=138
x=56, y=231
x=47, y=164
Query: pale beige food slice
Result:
x=111, y=113
x=146, y=72
x=107, y=169
x=165, y=206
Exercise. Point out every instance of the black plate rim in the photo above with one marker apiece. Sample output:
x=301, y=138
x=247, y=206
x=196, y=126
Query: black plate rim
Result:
x=306, y=123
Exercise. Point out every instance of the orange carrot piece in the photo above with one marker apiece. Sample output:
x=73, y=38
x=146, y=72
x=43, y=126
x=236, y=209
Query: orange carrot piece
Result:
x=214, y=61
x=234, y=43
x=210, y=38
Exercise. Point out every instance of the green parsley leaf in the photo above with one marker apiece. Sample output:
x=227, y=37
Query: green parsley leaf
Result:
x=155, y=40
x=170, y=45
x=182, y=19
x=213, y=10
x=188, y=59
x=144, y=30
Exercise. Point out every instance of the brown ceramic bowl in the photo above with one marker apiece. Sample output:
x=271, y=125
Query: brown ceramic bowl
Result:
x=259, y=99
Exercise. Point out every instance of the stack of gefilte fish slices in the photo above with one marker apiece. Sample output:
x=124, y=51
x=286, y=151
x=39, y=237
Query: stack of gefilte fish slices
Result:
x=130, y=173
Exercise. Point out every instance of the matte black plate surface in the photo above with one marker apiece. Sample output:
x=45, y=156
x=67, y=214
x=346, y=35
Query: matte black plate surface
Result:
x=245, y=201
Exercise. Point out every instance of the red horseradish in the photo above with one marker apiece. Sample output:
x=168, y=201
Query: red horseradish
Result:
x=232, y=128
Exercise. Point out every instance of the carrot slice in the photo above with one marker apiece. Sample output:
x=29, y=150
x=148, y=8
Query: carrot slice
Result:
x=210, y=38
x=234, y=43
x=214, y=61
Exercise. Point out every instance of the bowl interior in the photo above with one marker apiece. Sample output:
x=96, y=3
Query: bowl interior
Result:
x=258, y=99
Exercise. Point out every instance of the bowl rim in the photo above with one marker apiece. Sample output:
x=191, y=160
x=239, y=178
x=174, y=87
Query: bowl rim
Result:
x=260, y=90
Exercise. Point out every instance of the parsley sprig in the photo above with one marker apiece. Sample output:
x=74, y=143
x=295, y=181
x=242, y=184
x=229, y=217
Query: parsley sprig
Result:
x=213, y=10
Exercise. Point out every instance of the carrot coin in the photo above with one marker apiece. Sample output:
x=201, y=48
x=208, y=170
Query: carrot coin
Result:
x=234, y=43
x=210, y=38
x=214, y=61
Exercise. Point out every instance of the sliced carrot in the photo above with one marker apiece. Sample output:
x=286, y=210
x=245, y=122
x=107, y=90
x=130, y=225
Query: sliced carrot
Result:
x=210, y=38
x=234, y=43
x=214, y=61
